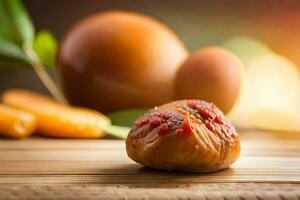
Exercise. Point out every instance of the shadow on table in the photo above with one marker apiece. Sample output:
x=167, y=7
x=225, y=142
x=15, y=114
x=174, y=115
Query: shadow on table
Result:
x=139, y=176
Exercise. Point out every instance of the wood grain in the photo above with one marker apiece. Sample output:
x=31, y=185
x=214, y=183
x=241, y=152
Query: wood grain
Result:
x=269, y=168
x=207, y=191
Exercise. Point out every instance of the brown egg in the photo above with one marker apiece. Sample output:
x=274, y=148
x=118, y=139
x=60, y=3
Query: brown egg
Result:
x=212, y=74
x=187, y=135
x=119, y=60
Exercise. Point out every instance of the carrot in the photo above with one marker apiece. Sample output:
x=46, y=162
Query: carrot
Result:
x=56, y=120
x=15, y=123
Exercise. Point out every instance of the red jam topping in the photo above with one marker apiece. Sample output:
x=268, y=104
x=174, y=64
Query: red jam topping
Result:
x=164, y=115
x=210, y=126
x=165, y=121
x=155, y=120
x=209, y=114
x=141, y=121
x=179, y=132
x=163, y=129
x=205, y=112
x=186, y=126
x=219, y=120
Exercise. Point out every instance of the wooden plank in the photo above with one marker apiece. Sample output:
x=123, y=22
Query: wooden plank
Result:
x=40, y=143
x=274, y=150
x=109, y=157
x=251, y=169
x=207, y=191
x=269, y=165
x=153, y=178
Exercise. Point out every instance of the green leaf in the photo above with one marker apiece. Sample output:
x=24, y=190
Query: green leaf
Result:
x=20, y=21
x=10, y=46
x=45, y=46
x=117, y=131
x=7, y=31
x=16, y=29
x=126, y=117
x=10, y=49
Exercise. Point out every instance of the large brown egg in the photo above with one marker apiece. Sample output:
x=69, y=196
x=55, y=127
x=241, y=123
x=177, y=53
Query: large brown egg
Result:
x=212, y=74
x=119, y=60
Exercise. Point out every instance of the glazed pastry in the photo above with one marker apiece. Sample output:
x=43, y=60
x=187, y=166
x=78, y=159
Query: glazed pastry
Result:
x=187, y=135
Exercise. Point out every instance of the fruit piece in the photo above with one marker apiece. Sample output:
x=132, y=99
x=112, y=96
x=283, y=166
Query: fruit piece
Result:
x=56, y=120
x=15, y=123
x=271, y=96
x=212, y=74
x=119, y=60
x=187, y=140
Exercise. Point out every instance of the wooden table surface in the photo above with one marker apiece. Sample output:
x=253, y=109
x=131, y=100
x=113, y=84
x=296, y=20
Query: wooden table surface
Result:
x=44, y=168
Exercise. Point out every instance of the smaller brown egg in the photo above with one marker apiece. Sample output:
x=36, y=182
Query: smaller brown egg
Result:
x=212, y=74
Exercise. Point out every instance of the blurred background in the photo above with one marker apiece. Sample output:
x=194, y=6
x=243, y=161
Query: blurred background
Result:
x=197, y=23
x=265, y=35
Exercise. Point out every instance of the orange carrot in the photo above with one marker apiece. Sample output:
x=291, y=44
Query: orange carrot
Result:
x=15, y=123
x=56, y=120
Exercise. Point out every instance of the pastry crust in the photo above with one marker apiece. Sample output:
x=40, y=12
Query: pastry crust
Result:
x=186, y=135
